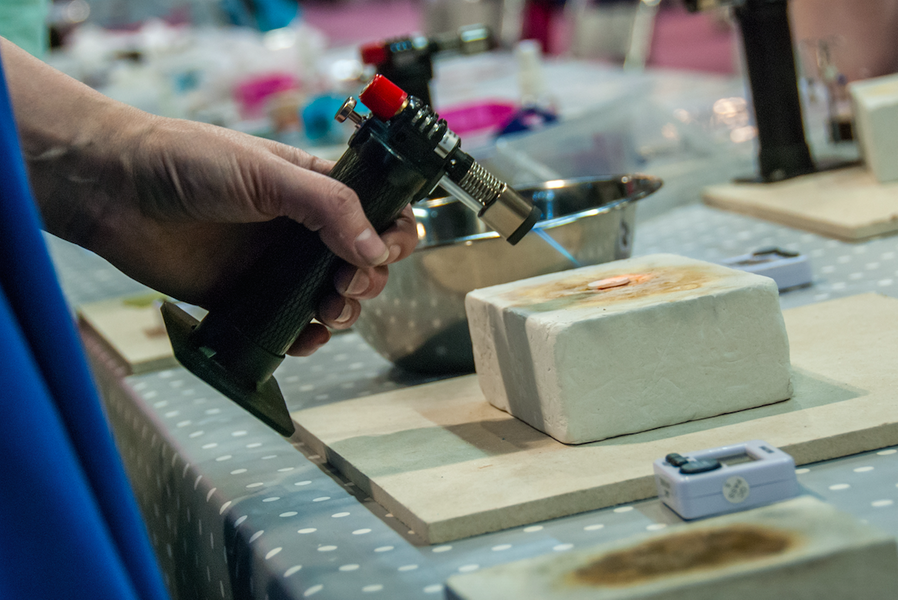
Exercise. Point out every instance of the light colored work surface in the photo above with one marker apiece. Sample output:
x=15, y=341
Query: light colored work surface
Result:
x=848, y=204
x=203, y=429
x=133, y=330
x=449, y=465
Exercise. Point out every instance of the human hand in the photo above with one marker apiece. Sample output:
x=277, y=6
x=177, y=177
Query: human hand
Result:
x=185, y=207
x=205, y=198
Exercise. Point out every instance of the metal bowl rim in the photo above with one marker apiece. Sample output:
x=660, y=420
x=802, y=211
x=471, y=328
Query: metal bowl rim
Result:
x=549, y=223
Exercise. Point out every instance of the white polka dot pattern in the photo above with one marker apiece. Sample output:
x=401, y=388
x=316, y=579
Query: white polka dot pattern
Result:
x=236, y=511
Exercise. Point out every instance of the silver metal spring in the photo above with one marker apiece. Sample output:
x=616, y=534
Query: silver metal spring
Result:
x=481, y=185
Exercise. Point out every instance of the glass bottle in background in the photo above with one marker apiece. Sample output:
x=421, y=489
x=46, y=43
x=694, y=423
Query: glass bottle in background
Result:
x=537, y=107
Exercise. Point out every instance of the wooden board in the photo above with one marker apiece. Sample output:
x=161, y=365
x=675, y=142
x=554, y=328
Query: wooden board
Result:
x=449, y=465
x=132, y=330
x=848, y=204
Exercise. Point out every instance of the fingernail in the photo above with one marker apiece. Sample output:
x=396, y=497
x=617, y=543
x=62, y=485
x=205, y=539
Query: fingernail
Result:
x=394, y=253
x=371, y=247
x=345, y=314
x=358, y=284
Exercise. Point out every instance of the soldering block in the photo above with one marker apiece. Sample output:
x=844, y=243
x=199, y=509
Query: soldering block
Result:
x=802, y=549
x=875, y=104
x=629, y=346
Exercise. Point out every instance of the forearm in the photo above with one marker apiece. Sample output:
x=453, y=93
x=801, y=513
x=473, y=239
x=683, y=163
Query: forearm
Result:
x=72, y=139
x=184, y=207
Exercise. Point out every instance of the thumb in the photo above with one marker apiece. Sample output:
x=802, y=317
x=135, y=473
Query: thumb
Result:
x=331, y=208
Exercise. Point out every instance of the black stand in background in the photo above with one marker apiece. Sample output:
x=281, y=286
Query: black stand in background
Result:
x=783, y=150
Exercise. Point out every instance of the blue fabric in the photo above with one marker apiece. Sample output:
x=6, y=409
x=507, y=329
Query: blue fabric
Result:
x=71, y=527
x=264, y=15
x=274, y=14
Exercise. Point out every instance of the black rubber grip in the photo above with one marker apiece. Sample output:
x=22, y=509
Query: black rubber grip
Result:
x=285, y=288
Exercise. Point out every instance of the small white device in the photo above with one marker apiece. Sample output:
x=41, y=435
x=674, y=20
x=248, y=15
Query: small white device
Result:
x=725, y=479
x=788, y=269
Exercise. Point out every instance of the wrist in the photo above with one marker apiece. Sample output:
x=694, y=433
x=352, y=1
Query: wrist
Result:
x=80, y=174
x=75, y=142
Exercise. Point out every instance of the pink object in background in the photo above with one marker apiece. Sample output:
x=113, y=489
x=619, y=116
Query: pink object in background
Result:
x=479, y=117
x=539, y=18
x=251, y=94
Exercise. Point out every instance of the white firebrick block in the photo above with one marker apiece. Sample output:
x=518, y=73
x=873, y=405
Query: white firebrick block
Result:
x=629, y=346
x=875, y=104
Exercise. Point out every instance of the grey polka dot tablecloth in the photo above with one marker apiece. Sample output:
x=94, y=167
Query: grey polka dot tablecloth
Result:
x=236, y=511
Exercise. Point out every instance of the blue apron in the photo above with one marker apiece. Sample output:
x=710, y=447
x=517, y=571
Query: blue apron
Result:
x=69, y=523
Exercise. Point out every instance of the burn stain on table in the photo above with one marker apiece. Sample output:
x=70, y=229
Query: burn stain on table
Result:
x=684, y=553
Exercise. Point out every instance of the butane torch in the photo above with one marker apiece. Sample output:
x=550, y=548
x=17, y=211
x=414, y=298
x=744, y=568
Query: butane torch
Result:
x=397, y=155
x=408, y=61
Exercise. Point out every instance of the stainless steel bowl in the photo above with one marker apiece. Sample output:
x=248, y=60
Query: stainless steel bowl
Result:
x=418, y=322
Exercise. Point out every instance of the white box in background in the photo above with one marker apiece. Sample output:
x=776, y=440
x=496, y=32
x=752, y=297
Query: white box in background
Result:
x=582, y=356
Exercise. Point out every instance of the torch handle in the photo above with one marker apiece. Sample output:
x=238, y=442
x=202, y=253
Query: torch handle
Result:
x=282, y=293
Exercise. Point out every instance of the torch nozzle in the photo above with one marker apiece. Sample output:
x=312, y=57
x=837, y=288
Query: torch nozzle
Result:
x=496, y=204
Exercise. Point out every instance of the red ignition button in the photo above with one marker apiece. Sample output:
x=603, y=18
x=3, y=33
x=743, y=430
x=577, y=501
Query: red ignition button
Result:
x=383, y=97
x=374, y=53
